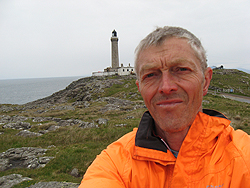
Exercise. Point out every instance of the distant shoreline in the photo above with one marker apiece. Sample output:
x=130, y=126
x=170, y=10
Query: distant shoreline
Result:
x=22, y=91
x=5, y=79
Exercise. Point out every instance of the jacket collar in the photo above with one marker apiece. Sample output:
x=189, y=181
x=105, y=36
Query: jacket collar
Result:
x=145, y=135
x=201, y=127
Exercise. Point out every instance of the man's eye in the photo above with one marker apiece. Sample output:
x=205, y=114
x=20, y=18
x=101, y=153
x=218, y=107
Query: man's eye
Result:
x=183, y=69
x=150, y=75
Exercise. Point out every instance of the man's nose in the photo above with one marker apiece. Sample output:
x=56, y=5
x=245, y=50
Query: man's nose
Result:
x=167, y=83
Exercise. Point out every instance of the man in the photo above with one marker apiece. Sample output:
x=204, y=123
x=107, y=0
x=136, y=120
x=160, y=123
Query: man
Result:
x=177, y=143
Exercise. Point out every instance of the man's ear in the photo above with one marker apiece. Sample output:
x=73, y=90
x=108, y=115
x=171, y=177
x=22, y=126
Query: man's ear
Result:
x=138, y=85
x=208, y=76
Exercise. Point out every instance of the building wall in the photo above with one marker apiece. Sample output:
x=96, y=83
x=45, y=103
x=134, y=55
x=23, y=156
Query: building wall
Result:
x=120, y=71
x=125, y=70
x=103, y=73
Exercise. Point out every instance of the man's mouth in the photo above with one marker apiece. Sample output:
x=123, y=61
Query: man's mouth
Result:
x=169, y=102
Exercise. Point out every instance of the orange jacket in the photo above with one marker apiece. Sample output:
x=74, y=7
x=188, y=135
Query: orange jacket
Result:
x=213, y=155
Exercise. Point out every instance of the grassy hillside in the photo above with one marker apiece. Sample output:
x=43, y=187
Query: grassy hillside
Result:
x=76, y=147
x=224, y=79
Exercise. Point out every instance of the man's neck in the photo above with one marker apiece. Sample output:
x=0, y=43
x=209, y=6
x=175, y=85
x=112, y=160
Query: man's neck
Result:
x=173, y=139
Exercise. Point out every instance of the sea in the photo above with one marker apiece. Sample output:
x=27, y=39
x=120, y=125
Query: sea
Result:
x=21, y=91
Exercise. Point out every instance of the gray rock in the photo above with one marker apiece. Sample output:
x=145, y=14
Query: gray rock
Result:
x=87, y=97
x=26, y=133
x=80, y=90
x=84, y=104
x=101, y=121
x=133, y=95
x=63, y=123
x=130, y=117
x=12, y=119
x=25, y=157
x=88, y=125
x=42, y=119
x=67, y=107
x=52, y=146
x=5, y=119
x=109, y=107
x=57, y=119
x=43, y=131
x=121, y=125
x=53, y=128
x=74, y=172
x=116, y=104
x=11, y=180
x=139, y=106
x=18, y=125
x=4, y=108
x=54, y=184
x=116, y=101
x=69, y=122
x=205, y=101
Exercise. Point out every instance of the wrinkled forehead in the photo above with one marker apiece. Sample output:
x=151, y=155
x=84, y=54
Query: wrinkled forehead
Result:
x=171, y=49
x=178, y=49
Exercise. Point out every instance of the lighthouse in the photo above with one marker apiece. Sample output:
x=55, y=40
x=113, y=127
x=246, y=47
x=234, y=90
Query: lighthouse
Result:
x=114, y=50
x=115, y=69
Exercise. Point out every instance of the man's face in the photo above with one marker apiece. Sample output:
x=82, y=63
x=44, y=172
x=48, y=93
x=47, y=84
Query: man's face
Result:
x=172, y=84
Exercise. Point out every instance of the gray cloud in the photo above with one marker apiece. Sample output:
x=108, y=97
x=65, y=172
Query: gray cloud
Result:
x=46, y=38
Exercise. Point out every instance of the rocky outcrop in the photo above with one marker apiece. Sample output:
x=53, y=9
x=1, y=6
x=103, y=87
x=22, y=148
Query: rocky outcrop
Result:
x=14, y=179
x=10, y=119
x=25, y=157
x=9, y=122
x=20, y=122
x=75, y=172
x=11, y=180
x=26, y=133
x=78, y=95
x=54, y=184
x=80, y=90
x=18, y=125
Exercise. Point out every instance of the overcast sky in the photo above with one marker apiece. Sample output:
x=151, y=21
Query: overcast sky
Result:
x=59, y=38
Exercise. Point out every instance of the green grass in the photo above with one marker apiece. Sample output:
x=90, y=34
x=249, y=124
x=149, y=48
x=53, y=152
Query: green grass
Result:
x=77, y=147
x=237, y=80
x=231, y=109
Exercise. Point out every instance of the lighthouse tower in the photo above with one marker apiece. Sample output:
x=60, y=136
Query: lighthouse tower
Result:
x=114, y=50
x=115, y=69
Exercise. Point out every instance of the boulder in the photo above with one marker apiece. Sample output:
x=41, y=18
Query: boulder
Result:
x=121, y=125
x=88, y=125
x=109, y=107
x=10, y=119
x=11, y=180
x=5, y=108
x=75, y=172
x=42, y=119
x=69, y=122
x=26, y=133
x=101, y=121
x=25, y=157
x=17, y=125
x=53, y=128
x=116, y=101
x=54, y=184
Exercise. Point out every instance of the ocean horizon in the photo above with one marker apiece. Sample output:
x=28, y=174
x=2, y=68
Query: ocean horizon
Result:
x=22, y=91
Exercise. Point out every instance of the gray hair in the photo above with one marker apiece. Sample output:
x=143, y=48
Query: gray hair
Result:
x=158, y=36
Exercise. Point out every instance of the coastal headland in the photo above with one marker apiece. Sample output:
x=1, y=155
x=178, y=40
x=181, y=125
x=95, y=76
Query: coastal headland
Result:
x=52, y=141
